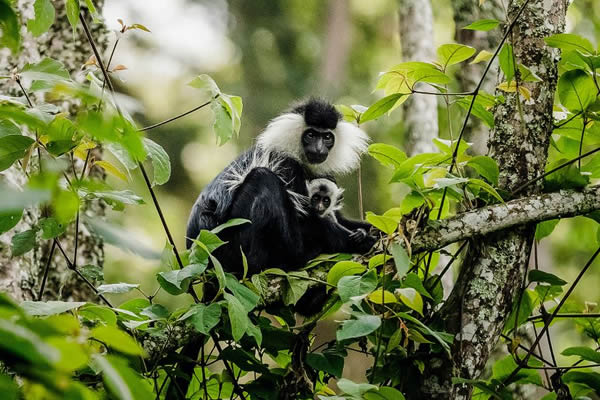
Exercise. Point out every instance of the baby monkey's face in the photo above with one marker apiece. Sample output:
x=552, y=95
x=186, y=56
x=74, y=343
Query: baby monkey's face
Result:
x=320, y=202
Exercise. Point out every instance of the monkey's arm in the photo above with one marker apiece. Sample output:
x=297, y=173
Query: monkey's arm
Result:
x=352, y=224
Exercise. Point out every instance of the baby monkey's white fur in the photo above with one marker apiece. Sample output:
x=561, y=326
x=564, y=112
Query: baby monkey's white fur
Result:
x=332, y=191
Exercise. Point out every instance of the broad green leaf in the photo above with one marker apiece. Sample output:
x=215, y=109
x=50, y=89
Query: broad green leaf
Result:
x=297, y=284
x=47, y=69
x=13, y=148
x=486, y=167
x=486, y=187
x=117, y=339
x=46, y=308
x=352, y=286
x=231, y=223
x=65, y=204
x=507, y=62
x=380, y=107
x=382, y=297
x=21, y=343
x=92, y=272
x=122, y=382
x=527, y=75
x=525, y=308
x=411, y=298
x=73, y=13
x=354, y=389
x=246, y=297
x=62, y=136
x=23, y=242
x=343, y=268
x=117, y=288
x=479, y=109
x=237, y=317
x=8, y=128
x=205, y=83
x=545, y=228
x=177, y=281
x=591, y=379
x=9, y=219
x=44, y=17
x=9, y=388
x=363, y=325
x=504, y=368
x=161, y=163
x=430, y=76
x=536, y=275
x=115, y=198
x=387, y=155
x=569, y=177
x=483, y=55
x=412, y=280
x=483, y=25
x=93, y=313
x=401, y=259
x=116, y=236
x=385, y=224
x=204, y=317
x=586, y=353
x=219, y=272
x=10, y=35
x=569, y=41
x=331, y=363
x=51, y=228
x=384, y=393
x=96, y=17
x=576, y=90
x=450, y=54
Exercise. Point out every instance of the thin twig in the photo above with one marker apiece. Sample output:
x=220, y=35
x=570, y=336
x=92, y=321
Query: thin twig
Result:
x=46, y=269
x=442, y=94
x=147, y=128
x=554, y=313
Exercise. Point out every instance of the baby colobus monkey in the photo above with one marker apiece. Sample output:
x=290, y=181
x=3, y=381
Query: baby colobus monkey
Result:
x=326, y=200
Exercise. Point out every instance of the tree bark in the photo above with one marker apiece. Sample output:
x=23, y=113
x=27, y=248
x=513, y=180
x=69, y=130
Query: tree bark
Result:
x=21, y=276
x=494, y=268
x=420, y=111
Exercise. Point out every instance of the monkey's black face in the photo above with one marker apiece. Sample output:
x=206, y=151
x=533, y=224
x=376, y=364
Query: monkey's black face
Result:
x=317, y=144
x=320, y=203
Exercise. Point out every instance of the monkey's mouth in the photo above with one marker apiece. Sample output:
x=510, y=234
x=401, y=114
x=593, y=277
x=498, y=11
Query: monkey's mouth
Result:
x=316, y=158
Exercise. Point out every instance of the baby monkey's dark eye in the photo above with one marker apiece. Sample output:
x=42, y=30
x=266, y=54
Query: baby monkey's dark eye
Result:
x=326, y=201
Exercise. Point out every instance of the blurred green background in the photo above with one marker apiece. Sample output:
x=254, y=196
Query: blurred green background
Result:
x=272, y=53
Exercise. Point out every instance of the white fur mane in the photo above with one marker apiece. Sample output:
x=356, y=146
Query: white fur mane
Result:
x=284, y=134
x=334, y=191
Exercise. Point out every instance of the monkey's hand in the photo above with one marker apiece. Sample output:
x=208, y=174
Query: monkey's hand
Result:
x=362, y=240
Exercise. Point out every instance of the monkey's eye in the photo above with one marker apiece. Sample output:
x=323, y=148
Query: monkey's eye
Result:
x=310, y=134
x=329, y=137
x=326, y=201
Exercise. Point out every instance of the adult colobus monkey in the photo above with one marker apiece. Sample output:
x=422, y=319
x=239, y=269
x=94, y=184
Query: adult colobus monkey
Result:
x=267, y=185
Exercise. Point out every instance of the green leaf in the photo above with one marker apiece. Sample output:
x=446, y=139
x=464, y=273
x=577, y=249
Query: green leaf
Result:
x=450, y=54
x=237, y=316
x=479, y=110
x=354, y=389
x=569, y=41
x=73, y=13
x=352, y=286
x=65, y=204
x=122, y=382
x=363, y=325
x=46, y=308
x=160, y=162
x=92, y=272
x=206, y=84
x=387, y=155
x=525, y=308
x=204, y=317
x=8, y=128
x=331, y=363
x=401, y=259
x=297, y=284
x=504, y=368
x=486, y=187
x=96, y=16
x=9, y=219
x=411, y=298
x=51, y=228
x=412, y=280
x=124, y=240
x=21, y=343
x=343, y=268
x=545, y=228
x=246, y=297
x=231, y=223
x=117, y=288
x=486, y=167
x=46, y=69
x=382, y=297
x=569, y=177
x=384, y=393
x=93, y=313
x=536, y=275
x=385, y=224
x=591, y=379
x=586, y=353
x=576, y=90
x=380, y=107
x=177, y=281
x=118, y=340
x=506, y=60
x=483, y=25
x=9, y=388
x=10, y=35
x=44, y=17
x=13, y=148
x=23, y=242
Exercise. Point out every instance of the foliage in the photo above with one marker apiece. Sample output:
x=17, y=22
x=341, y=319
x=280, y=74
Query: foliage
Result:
x=132, y=351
